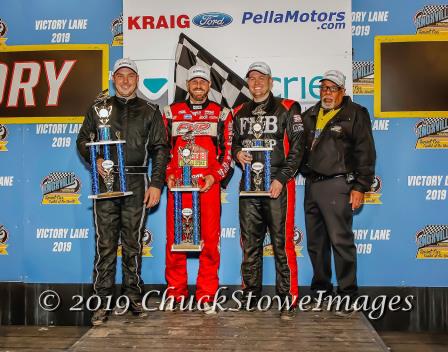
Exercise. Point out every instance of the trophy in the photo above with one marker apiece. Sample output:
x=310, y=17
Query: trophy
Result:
x=103, y=111
x=257, y=175
x=187, y=221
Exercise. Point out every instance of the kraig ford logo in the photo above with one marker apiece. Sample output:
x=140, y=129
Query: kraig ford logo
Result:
x=3, y=136
x=432, y=19
x=268, y=251
x=61, y=188
x=212, y=20
x=362, y=72
x=432, y=242
x=146, y=242
x=374, y=195
x=4, y=235
x=432, y=133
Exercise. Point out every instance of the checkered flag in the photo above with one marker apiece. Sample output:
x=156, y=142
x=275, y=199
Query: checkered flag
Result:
x=431, y=229
x=56, y=176
x=429, y=9
x=227, y=88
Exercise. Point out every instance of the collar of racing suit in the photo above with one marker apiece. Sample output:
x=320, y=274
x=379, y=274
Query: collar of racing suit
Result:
x=129, y=100
x=269, y=102
x=193, y=106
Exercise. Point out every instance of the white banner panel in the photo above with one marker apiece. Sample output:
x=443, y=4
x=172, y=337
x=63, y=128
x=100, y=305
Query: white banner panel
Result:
x=300, y=40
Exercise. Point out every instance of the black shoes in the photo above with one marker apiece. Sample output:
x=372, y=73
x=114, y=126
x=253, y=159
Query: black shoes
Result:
x=99, y=317
x=345, y=312
x=135, y=307
x=288, y=314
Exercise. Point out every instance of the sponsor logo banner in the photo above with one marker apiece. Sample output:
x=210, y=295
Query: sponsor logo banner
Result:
x=432, y=133
x=116, y=28
x=61, y=188
x=432, y=242
x=3, y=136
x=432, y=19
x=374, y=196
x=4, y=235
x=363, y=77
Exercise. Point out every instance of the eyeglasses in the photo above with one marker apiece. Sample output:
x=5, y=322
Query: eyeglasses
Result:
x=332, y=89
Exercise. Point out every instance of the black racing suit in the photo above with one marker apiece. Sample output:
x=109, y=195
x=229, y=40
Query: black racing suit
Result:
x=340, y=160
x=140, y=124
x=284, y=131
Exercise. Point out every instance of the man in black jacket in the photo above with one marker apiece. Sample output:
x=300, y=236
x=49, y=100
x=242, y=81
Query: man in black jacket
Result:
x=339, y=166
x=140, y=124
x=283, y=130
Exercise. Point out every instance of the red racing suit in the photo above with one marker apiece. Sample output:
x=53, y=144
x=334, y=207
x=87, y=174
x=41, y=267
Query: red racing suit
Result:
x=211, y=126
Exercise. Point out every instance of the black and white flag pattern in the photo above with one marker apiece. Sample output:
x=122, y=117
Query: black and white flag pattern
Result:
x=227, y=88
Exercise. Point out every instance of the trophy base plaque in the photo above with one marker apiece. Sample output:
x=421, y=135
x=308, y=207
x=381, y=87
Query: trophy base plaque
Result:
x=109, y=195
x=185, y=189
x=187, y=247
x=255, y=194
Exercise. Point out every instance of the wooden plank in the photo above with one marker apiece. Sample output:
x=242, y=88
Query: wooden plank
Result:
x=260, y=331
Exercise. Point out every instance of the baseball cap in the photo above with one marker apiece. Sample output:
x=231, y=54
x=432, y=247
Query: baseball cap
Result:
x=259, y=66
x=198, y=71
x=335, y=76
x=125, y=62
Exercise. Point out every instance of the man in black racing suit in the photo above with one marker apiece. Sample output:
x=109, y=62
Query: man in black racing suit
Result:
x=140, y=124
x=283, y=130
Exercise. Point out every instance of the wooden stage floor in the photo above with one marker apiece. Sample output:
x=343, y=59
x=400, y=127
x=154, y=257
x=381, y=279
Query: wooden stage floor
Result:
x=232, y=331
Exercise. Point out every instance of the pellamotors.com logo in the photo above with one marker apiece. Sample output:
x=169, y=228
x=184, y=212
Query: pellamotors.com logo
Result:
x=432, y=242
x=3, y=31
x=362, y=72
x=61, y=188
x=268, y=251
x=432, y=133
x=146, y=242
x=324, y=20
x=4, y=235
x=374, y=195
x=432, y=19
x=116, y=28
x=3, y=137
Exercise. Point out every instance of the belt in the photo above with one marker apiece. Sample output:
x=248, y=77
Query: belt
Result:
x=314, y=177
x=133, y=169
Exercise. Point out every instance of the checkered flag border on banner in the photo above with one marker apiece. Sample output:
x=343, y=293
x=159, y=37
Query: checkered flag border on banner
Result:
x=430, y=229
x=227, y=88
x=429, y=9
x=56, y=176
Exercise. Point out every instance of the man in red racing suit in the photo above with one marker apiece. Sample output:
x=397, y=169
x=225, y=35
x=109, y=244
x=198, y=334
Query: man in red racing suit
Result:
x=211, y=127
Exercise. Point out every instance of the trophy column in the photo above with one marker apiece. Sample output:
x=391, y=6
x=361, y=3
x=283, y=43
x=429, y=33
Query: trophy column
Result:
x=187, y=221
x=256, y=172
x=104, y=142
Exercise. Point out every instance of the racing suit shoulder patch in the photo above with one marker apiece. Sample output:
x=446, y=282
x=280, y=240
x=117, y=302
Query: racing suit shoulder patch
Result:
x=238, y=108
x=287, y=103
